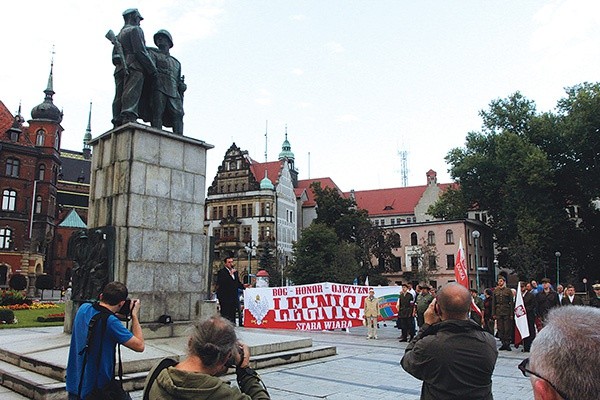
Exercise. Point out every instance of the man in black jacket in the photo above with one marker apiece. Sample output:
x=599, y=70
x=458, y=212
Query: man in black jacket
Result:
x=228, y=283
x=453, y=356
x=529, y=303
x=546, y=300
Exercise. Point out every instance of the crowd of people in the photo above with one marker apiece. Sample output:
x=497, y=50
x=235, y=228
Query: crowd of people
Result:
x=452, y=348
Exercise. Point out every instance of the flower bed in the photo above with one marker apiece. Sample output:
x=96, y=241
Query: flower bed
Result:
x=32, y=306
x=52, y=318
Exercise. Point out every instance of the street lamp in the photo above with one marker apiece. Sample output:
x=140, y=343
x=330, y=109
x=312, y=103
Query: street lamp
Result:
x=557, y=254
x=496, y=262
x=250, y=248
x=476, y=235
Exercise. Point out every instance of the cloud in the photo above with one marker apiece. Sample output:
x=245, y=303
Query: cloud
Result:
x=264, y=98
x=298, y=71
x=347, y=118
x=334, y=47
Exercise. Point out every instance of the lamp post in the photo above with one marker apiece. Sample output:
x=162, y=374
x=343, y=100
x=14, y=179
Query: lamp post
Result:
x=476, y=235
x=496, y=262
x=557, y=254
x=251, y=250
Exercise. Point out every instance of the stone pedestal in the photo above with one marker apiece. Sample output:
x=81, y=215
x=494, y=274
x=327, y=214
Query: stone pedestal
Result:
x=150, y=186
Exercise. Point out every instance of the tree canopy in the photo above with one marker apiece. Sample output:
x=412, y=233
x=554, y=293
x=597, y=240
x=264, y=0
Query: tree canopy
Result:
x=357, y=243
x=527, y=169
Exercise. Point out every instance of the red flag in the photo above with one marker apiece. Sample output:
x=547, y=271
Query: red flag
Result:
x=460, y=267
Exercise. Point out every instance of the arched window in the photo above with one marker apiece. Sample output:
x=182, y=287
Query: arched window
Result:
x=9, y=200
x=449, y=237
x=38, y=204
x=41, y=172
x=413, y=239
x=5, y=238
x=39, y=139
x=430, y=238
x=12, y=167
x=57, y=141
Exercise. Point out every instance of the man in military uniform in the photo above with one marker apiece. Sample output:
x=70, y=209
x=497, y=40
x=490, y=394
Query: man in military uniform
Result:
x=423, y=301
x=140, y=67
x=595, y=297
x=167, y=97
x=503, y=306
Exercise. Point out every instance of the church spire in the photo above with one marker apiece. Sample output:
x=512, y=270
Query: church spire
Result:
x=87, y=151
x=47, y=109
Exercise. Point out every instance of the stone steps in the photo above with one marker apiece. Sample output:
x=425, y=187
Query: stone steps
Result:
x=39, y=372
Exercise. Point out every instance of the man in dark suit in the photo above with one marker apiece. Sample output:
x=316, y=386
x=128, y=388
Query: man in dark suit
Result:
x=570, y=298
x=228, y=284
x=405, y=313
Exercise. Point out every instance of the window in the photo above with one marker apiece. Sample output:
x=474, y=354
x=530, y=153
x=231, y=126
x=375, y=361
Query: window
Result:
x=214, y=212
x=432, y=262
x=220, y=212
x=234, y=211
x=9, y=200
x=449, y=261
x=414, y=261
x=41, y=172
x=247, y=232
x=469, y=235
x=266, y=209
x=38, y=204
x=430, y=238
x=229, y=212
x=39, y=139
x=5, y=238
x=413, y=239
x=217, y=233
x=12, y=167
x=449, y=237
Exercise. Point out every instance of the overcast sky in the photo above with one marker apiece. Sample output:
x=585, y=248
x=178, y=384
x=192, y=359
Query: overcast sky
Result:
x=354, y=81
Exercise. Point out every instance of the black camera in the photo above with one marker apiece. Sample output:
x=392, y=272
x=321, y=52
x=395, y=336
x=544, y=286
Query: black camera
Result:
x=124, y=312
x=231, y=362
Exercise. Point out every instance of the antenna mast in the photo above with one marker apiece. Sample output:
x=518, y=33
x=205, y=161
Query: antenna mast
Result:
x=266, y=130
x=404, y=167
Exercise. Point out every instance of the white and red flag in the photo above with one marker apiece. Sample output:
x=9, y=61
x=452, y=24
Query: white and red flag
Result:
x=521, y=327
x=460, y=266
x=462, y=276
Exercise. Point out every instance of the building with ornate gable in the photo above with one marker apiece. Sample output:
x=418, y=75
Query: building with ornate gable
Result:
x=251, y=208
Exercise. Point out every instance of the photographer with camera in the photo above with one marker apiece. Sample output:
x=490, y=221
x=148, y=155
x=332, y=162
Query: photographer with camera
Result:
x=213, y=348
x=451, y=354
x=91, y=366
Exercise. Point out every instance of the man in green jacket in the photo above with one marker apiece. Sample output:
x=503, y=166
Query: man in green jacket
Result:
x=213, y=348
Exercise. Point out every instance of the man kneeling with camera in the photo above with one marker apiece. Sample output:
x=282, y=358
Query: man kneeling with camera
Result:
x=213, y=348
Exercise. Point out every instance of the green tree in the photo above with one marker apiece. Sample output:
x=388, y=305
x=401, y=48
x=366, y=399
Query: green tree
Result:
x=268, y=262
x=512, y=169
x=319, y=256
x=352, y=225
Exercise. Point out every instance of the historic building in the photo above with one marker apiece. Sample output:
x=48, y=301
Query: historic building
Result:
x=251, y=209
x=428, y=245
x=40, y=186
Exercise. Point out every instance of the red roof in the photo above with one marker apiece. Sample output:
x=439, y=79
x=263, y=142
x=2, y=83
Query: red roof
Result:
x=6, y=118
x=273, y=169
x=305, y=185
x=394, y=201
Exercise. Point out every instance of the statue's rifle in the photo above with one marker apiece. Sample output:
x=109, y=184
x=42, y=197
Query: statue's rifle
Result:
x=110, y=35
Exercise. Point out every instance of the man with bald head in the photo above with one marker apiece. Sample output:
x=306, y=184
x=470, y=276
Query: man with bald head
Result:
x=451, y=354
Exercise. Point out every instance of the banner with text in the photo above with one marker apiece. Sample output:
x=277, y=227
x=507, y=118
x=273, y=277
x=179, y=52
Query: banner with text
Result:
x=314, y=307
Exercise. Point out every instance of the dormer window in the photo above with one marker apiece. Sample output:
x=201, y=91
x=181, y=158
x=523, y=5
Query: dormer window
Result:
x=39, y=139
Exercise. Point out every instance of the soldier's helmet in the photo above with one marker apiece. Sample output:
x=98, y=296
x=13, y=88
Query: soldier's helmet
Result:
x=132, y=11
x=164, y=33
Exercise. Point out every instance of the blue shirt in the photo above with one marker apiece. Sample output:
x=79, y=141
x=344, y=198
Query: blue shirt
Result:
x=95, y=375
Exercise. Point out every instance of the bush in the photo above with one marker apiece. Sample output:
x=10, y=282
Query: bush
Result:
x=44, y=281
x=7, y=316
x=10, y=297
x=17, y=282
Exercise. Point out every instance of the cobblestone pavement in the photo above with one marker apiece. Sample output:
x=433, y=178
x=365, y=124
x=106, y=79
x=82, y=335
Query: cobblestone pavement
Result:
x=371, y=369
